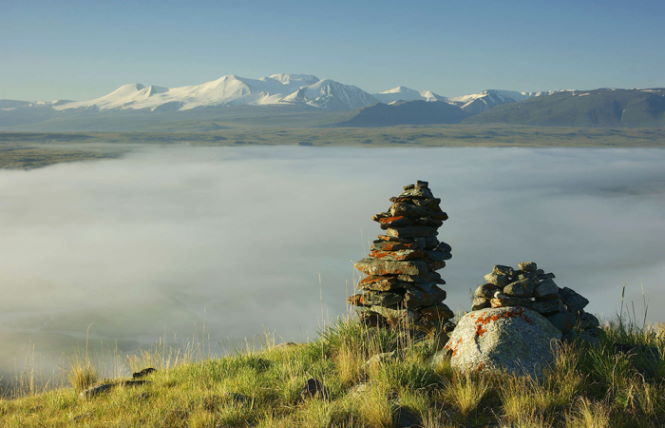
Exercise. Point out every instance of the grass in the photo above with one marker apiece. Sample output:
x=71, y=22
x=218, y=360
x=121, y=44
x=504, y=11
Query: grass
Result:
x=82, y=375
x=586, y=387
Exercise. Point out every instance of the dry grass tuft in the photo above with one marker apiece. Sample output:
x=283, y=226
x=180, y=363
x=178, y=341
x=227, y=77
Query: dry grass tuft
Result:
x=349, y=362
x=465, y=391
x=374, y=407
x=82, y=375
x=589, y=414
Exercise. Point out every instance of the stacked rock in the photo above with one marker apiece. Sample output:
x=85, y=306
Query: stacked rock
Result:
x=401, y=286
x=532, y=288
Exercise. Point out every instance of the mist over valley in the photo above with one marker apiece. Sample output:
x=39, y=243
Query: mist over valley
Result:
x=223, y=244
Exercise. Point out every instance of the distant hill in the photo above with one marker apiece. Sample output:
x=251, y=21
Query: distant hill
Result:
x=407, y=113
x=599, y=107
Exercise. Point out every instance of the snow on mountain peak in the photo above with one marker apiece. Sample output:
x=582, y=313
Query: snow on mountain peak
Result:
x=233, y=90
x=402, y=93
x=288, y=79
x=478, y=102
x=277, y=89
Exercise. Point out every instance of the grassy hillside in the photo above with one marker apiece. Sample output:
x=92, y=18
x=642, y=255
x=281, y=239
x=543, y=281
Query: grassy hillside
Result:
x=599, y=107
x=618, y=384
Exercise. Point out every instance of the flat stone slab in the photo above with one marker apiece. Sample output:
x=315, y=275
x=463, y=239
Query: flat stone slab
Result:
x=398, y=255
x=412, y=232
x=411, y=210
x=387, y=267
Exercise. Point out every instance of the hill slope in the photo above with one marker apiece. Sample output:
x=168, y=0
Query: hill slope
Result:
x=620, y=383
x=407, y=113
x=600, y=107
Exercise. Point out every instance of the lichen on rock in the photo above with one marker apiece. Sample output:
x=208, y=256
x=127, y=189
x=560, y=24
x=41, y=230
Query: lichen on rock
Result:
x=516, y=340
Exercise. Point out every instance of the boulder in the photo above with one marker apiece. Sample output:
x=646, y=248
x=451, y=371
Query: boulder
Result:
x=513, y=339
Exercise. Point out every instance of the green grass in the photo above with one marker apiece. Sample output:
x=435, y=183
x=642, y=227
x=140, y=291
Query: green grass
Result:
x=587, y=387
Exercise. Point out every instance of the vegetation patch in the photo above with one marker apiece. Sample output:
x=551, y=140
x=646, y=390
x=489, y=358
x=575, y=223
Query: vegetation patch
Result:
x=619, y=383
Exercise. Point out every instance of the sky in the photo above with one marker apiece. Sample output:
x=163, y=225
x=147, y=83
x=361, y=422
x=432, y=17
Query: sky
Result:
x=78, y=49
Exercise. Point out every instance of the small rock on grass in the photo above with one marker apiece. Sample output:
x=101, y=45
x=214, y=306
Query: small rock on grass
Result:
x=313, y=388
x=143, y=373
x=406, y=417
x=106, y=387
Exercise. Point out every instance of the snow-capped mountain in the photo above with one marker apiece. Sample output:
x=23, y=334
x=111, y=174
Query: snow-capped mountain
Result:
x=331, y=95
x=402, y=93
x=276, y=89
x=11, y=105
x=476, y=103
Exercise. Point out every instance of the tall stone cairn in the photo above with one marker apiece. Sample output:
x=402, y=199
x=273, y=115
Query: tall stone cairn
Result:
x=400, y=289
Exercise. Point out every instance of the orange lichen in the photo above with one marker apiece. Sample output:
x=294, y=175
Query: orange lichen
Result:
x=378, y=281
x=454, y=347
x=356, y=300
x=378, y=254
x=396, y=246
x=390, y=220
x=518, y=312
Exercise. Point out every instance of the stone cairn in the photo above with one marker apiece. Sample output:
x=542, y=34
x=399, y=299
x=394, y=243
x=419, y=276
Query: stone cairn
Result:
x=401, y=287
x=532, y=288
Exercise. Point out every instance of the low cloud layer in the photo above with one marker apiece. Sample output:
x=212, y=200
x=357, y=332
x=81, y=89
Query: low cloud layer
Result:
x=171, y=240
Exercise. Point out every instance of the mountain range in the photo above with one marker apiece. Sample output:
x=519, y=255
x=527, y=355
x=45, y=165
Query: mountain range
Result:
x=306, y=100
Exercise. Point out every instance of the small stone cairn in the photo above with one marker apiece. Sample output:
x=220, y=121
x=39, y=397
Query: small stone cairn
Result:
x=532, y=288
x=401, y=286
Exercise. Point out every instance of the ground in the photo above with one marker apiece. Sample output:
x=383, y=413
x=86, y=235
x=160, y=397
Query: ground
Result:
x=618, y=384
x=26, y=150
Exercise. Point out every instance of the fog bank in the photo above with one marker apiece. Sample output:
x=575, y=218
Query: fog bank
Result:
x=170, y=240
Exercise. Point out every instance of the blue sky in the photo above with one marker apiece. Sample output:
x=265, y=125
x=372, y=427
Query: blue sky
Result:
x=83, y=49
